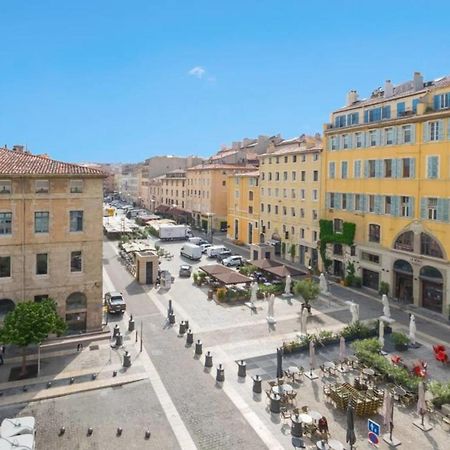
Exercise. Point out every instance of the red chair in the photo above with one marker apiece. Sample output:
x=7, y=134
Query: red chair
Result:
x=439, y=348
x=441, y=357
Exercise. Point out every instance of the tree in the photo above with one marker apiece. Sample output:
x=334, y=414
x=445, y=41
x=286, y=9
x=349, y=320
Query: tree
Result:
x=308, y=289
x=292, y=251
x=31, y=323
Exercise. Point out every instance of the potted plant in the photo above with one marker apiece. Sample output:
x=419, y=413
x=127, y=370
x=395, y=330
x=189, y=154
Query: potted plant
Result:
x=221, y=293
x=309, y=290
x=384, y=288
x=401, y=341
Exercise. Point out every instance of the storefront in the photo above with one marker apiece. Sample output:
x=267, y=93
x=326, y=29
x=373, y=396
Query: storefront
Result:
x=370, y=279
x=403, y=281
x=432, y=284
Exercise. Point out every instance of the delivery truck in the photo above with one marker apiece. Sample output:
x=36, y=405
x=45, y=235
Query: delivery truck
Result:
x=169, y=232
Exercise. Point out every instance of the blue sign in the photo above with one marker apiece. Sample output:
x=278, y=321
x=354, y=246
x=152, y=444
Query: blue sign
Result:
x=373, y=427
x=373, y=438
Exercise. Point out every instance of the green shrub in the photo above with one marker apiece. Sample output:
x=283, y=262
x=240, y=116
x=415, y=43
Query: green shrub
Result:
x=400, y=338
x=356, y=330
x=283, y=248
x=308, y=289
x=357, y=282
x=366, y=345
x=441, y=393
x=384, y=288
x=247, y=269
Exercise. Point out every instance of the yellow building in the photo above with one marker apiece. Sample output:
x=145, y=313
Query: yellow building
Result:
x=206, y=193
x=243, y=207
x=51, y=239
x=387, y=164
x=290, y=198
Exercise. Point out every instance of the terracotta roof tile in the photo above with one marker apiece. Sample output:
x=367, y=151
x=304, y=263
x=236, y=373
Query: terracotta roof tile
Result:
x=13, y=162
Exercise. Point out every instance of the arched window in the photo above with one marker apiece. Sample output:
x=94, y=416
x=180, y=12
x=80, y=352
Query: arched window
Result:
x=403, y=266
x=76, y=300
x=431, y=273
x=6, y=306
x=430, y=246
x=405, y=242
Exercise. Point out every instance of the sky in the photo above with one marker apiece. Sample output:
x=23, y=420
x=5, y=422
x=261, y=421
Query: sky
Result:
x=120, y=81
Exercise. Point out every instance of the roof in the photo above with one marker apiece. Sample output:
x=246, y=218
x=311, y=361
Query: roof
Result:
x=224, y=274
x=218, y=166
x=253, y=173
x=14, y=162
x=264, y=263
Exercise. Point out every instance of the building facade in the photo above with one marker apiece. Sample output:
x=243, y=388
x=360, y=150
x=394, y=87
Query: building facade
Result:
x=206, y=194
x=387, y=169
x=243, y=207
x=290, y=198
x=51, y=236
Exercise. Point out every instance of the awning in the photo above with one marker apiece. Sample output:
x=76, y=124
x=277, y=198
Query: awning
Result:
x=224, y=274
x=264, y=263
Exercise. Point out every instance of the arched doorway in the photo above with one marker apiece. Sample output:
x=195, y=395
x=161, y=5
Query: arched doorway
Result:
x=76, y=305
x=403, y=281
x=432, y=284
x=6, y=306
x=276, y=242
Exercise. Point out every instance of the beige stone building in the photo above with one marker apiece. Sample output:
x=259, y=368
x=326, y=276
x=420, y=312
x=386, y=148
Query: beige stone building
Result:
x=289, y=179
x=206, y=193
x=51, y=236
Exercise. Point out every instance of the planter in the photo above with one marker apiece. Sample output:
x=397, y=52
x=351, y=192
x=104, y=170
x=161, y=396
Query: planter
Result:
x=306, y=306
x=401, y=347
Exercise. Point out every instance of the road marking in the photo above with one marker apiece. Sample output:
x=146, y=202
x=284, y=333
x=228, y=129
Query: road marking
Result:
x=181, y=433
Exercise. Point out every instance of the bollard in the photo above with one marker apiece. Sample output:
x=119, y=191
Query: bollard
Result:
x=198, y=347
x=208, y=360
x=220, y=377
x=114, y=373
x=119, y=431
x=242, y=368
x=119, y=340
x=116, y=330
x=127, y=360
x=189, y=337
x=131, y=324
x=90, y=431
x=275, y=400
x=182, y=328
x=186, y=324
x=257, y=389
x=172, y=318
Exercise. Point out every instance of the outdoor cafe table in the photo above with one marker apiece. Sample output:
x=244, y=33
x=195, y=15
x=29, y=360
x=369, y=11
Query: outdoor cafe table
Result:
x=293, y=370
x=398, y=391
x=297, y=429
x=368, y=371
x=306, y=418
x=315, y=415
x=322, y=445
x=335, y=445
x=282, y=388
x=353, y=359
x=329, y=365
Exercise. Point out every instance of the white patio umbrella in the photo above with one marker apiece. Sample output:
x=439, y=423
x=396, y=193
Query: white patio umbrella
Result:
x=381, y=333
x=19, y=442
x=412, y=330
x=342, y=350
x=388, y=412
x=312, y=356
x=17, y=426
x=421, y=405
x=304, y=322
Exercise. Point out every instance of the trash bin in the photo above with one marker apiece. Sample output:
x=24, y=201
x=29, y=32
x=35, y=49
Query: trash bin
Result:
x=210, y=294
x=275, y=400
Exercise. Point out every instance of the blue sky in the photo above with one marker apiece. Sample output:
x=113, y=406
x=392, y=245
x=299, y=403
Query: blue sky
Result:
x=94, y=80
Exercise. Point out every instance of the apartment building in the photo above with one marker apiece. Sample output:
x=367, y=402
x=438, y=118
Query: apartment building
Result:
x=51, y=236
x=387, y=169
x=206, y=193
x=290, y=198
x=243, y=207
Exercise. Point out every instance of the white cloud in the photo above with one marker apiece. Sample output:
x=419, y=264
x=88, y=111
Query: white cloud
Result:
x=197, y=71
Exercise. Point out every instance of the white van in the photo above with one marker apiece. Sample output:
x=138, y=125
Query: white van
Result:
x=214, y=250
x=191, y=251
x=195, y=240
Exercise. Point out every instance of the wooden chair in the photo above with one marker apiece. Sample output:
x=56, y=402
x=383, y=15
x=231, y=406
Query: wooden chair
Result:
x=292, y=397
x=285, y=414
x=272, y=383
x=305, y=409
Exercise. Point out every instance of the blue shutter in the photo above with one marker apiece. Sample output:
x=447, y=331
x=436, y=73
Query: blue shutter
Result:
x=414, y=104
x=423, y=208
x=412, y=167
x=357, y=169
x=411, y=206
x=378, y=204
x=327, y=200
x=441, y=130
x=337, y=200
x=394, y=168
x=413, y=134
x=350, y=202
x=395, y=205
x=378, y=168
x=436, y=102
x=366, y=168
x=364, y=202
x=366, y=116
x=400, y=109
x=442, y=209
x=426, y=131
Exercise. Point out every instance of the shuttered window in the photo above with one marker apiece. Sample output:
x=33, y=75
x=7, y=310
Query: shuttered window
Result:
x=433, y=167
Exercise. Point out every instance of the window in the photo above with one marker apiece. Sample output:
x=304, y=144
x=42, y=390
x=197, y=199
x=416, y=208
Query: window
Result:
x=284, y=193
x=340, y=121
x=374, y=233
x=41, y=221
x=406, y=167
x=338, y=225
x=352, y=119
x=405, y=242
x=442, y=101
x=388, y=168
x=371, y=203
x=284, y=211
x=433, y=167
x=400, y=109
x=277, y=176
x=337, y=249
x=250, y=196
x=405, y=211
x=314, y=214
x=358, y=140
x=292, y=211
x=76, y=186
x=294, y=175
x=5, y=266
x=302, y=213
x=276, y=192
x=373, y=138
x=5, y=223
x=331, y=169
x=292, y=193
x=276, y=209
x=302, y=233
x=262, y=207
x=432, y=208
x=294, y=158
x=372, y=166
x=314, y=236
x=269, y=208
x=40, y=298
x=344, y=169
x=303, y=175
x=433, y=129
x=406, y=134
x=315, y=157
x=357, y=202
x=236, y=194
x=345, y=140
x=370, y=257
x=430, y=247
x=250, y=209
x=357, y=169
x=303, y=158
x=292, y=231
x=224, y=183
x=75, y=261
x=5, y=186
x=76, y=221
x=332, y=199
x=285, y=176
x=315, y=195
x=302, y=194
x=42, y=264
x=316, y=175
x=333, y=143
x=41, y=186
x=387, y=204
x=344, y=201
x=389, y=136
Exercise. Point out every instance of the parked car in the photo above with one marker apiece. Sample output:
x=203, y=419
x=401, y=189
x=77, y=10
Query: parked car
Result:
x=233, y=261
x=185, y=270
x=214, y=250
x=205, y=247
x=191, y=251
x=115, y=302
x=195, y=240
x=223, y=255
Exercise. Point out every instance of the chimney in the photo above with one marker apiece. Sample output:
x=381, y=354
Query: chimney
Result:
x=418, y=81
x=236, y=145
x=388, y=89
x=18, y=148
x=352, y=97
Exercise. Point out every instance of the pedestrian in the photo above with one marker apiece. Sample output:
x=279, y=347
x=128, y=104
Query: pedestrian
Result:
x=323, y=428
x=3, y=350
x=79, y=347
x=1, y=359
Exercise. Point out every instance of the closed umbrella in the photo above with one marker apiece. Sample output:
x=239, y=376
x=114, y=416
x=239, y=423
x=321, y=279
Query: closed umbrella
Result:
x=304, y=322
x=381, y=333
x=412, y=330
x=351, y=437
x=421, y=405
x=342, y=350
x=312, y=357
x=279, y=363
